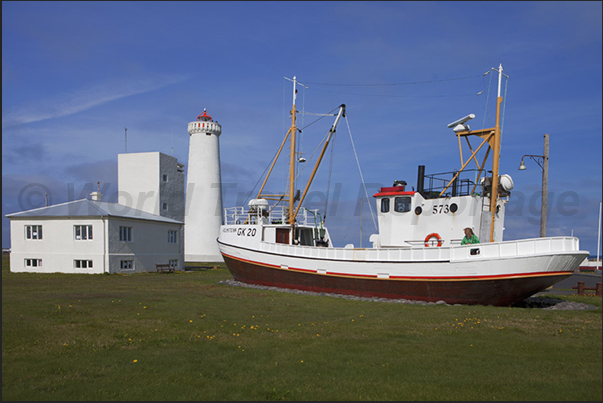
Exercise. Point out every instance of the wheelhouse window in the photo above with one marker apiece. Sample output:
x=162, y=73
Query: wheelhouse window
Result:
x=125, y=234
x=82, y=232
x=402, y=204
x=385, y=205
x=33, y=232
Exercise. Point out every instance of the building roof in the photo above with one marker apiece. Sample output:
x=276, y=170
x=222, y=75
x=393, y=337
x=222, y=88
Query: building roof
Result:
x=90, y=208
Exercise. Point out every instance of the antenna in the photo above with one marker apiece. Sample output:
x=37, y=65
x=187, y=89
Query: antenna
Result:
x=126, y=139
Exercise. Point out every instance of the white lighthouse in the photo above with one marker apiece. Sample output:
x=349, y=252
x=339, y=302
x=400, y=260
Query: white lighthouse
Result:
x=203, y=215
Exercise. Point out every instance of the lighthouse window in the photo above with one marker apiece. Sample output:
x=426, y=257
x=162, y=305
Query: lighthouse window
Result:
x=402, y=204
x=384, y=205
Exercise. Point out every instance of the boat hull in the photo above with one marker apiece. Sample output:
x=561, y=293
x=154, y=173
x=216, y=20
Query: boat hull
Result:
x=495, y=281
x=502, y=291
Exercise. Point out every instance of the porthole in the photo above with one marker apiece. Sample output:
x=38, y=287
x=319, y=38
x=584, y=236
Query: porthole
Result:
x=418, y=210
x=454, y=207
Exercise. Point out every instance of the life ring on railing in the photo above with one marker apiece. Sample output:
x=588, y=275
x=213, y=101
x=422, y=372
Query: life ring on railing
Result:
x=433, y=235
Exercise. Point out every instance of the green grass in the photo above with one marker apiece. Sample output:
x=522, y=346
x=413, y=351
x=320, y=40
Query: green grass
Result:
x=183, y=336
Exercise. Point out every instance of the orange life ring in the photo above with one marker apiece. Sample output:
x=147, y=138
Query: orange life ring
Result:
x=433, y=235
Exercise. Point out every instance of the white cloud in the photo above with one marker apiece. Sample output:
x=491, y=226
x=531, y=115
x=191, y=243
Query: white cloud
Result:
x=82, y=99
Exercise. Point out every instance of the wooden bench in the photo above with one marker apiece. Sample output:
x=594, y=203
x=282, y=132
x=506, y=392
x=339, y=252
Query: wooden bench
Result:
x=581, y=288
x=164, y=267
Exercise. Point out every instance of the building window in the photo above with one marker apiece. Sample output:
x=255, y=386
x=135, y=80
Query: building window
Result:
x=82, y=232
x=33, y=232
x=82, y=264
x=164, y=178
x=173, y=236
x=165, y=206
x=402, y=204
x=173, y=263
x=33, y=262
x=384, y=205
x=126, y=264
x=125, y=234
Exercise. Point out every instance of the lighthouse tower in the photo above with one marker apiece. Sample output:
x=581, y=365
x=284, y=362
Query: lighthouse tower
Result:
x=203, y=215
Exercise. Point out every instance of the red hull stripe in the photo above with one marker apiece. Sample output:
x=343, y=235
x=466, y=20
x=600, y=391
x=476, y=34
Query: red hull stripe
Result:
x=409, y=278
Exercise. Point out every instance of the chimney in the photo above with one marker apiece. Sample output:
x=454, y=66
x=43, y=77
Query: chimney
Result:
x=96, y=196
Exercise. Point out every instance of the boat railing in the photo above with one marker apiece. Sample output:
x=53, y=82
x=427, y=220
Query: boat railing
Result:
x=462, y=186
x=274, y=216
x=484, y=251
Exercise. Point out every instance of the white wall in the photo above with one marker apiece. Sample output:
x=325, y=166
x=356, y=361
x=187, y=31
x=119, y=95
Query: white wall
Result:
x=149, y=245
x=58, y=248
x=138, y=181
x=203, y=194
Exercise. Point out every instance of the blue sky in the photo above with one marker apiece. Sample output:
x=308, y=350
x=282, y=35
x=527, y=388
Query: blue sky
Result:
x=75, y=74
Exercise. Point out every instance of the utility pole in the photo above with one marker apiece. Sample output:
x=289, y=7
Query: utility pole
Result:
x=545, y=187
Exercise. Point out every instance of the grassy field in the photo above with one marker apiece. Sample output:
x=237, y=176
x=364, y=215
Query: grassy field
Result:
x=183, y=336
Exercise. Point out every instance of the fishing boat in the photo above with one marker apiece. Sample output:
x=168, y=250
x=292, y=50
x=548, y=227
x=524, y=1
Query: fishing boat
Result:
x=417, y=253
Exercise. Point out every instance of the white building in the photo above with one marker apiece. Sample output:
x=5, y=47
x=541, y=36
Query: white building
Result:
x=203, y=216
x=151, y=182
x=91, y=236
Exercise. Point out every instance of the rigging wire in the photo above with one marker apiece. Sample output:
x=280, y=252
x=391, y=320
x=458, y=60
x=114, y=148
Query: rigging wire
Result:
x=486, y=110
x=260, y=178
x=502, y=123
x=360, y=170
x=330, y=174
x=395, y=84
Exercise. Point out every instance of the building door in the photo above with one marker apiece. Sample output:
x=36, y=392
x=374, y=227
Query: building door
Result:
x=282, y=235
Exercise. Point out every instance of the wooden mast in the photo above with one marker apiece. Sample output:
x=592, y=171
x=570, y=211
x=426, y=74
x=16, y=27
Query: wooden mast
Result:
x=492, y=137
x=291, y=135
x=293, y=132
x=322, y=153
x=495, y=158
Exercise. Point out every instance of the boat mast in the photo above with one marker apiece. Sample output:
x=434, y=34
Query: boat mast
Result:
x=293, y=132
x=495, y=158
x=322, y=153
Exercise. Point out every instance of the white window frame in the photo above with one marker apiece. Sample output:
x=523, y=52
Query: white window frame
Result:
x=85, y=232
x=128, y=263
x=32, y=262
x=31, y=234
x=173, y=263
x=172, y=236
x=82, y=263
x=125, y=233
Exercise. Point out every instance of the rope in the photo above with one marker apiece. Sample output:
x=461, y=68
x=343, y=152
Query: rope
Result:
x=361, y=177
